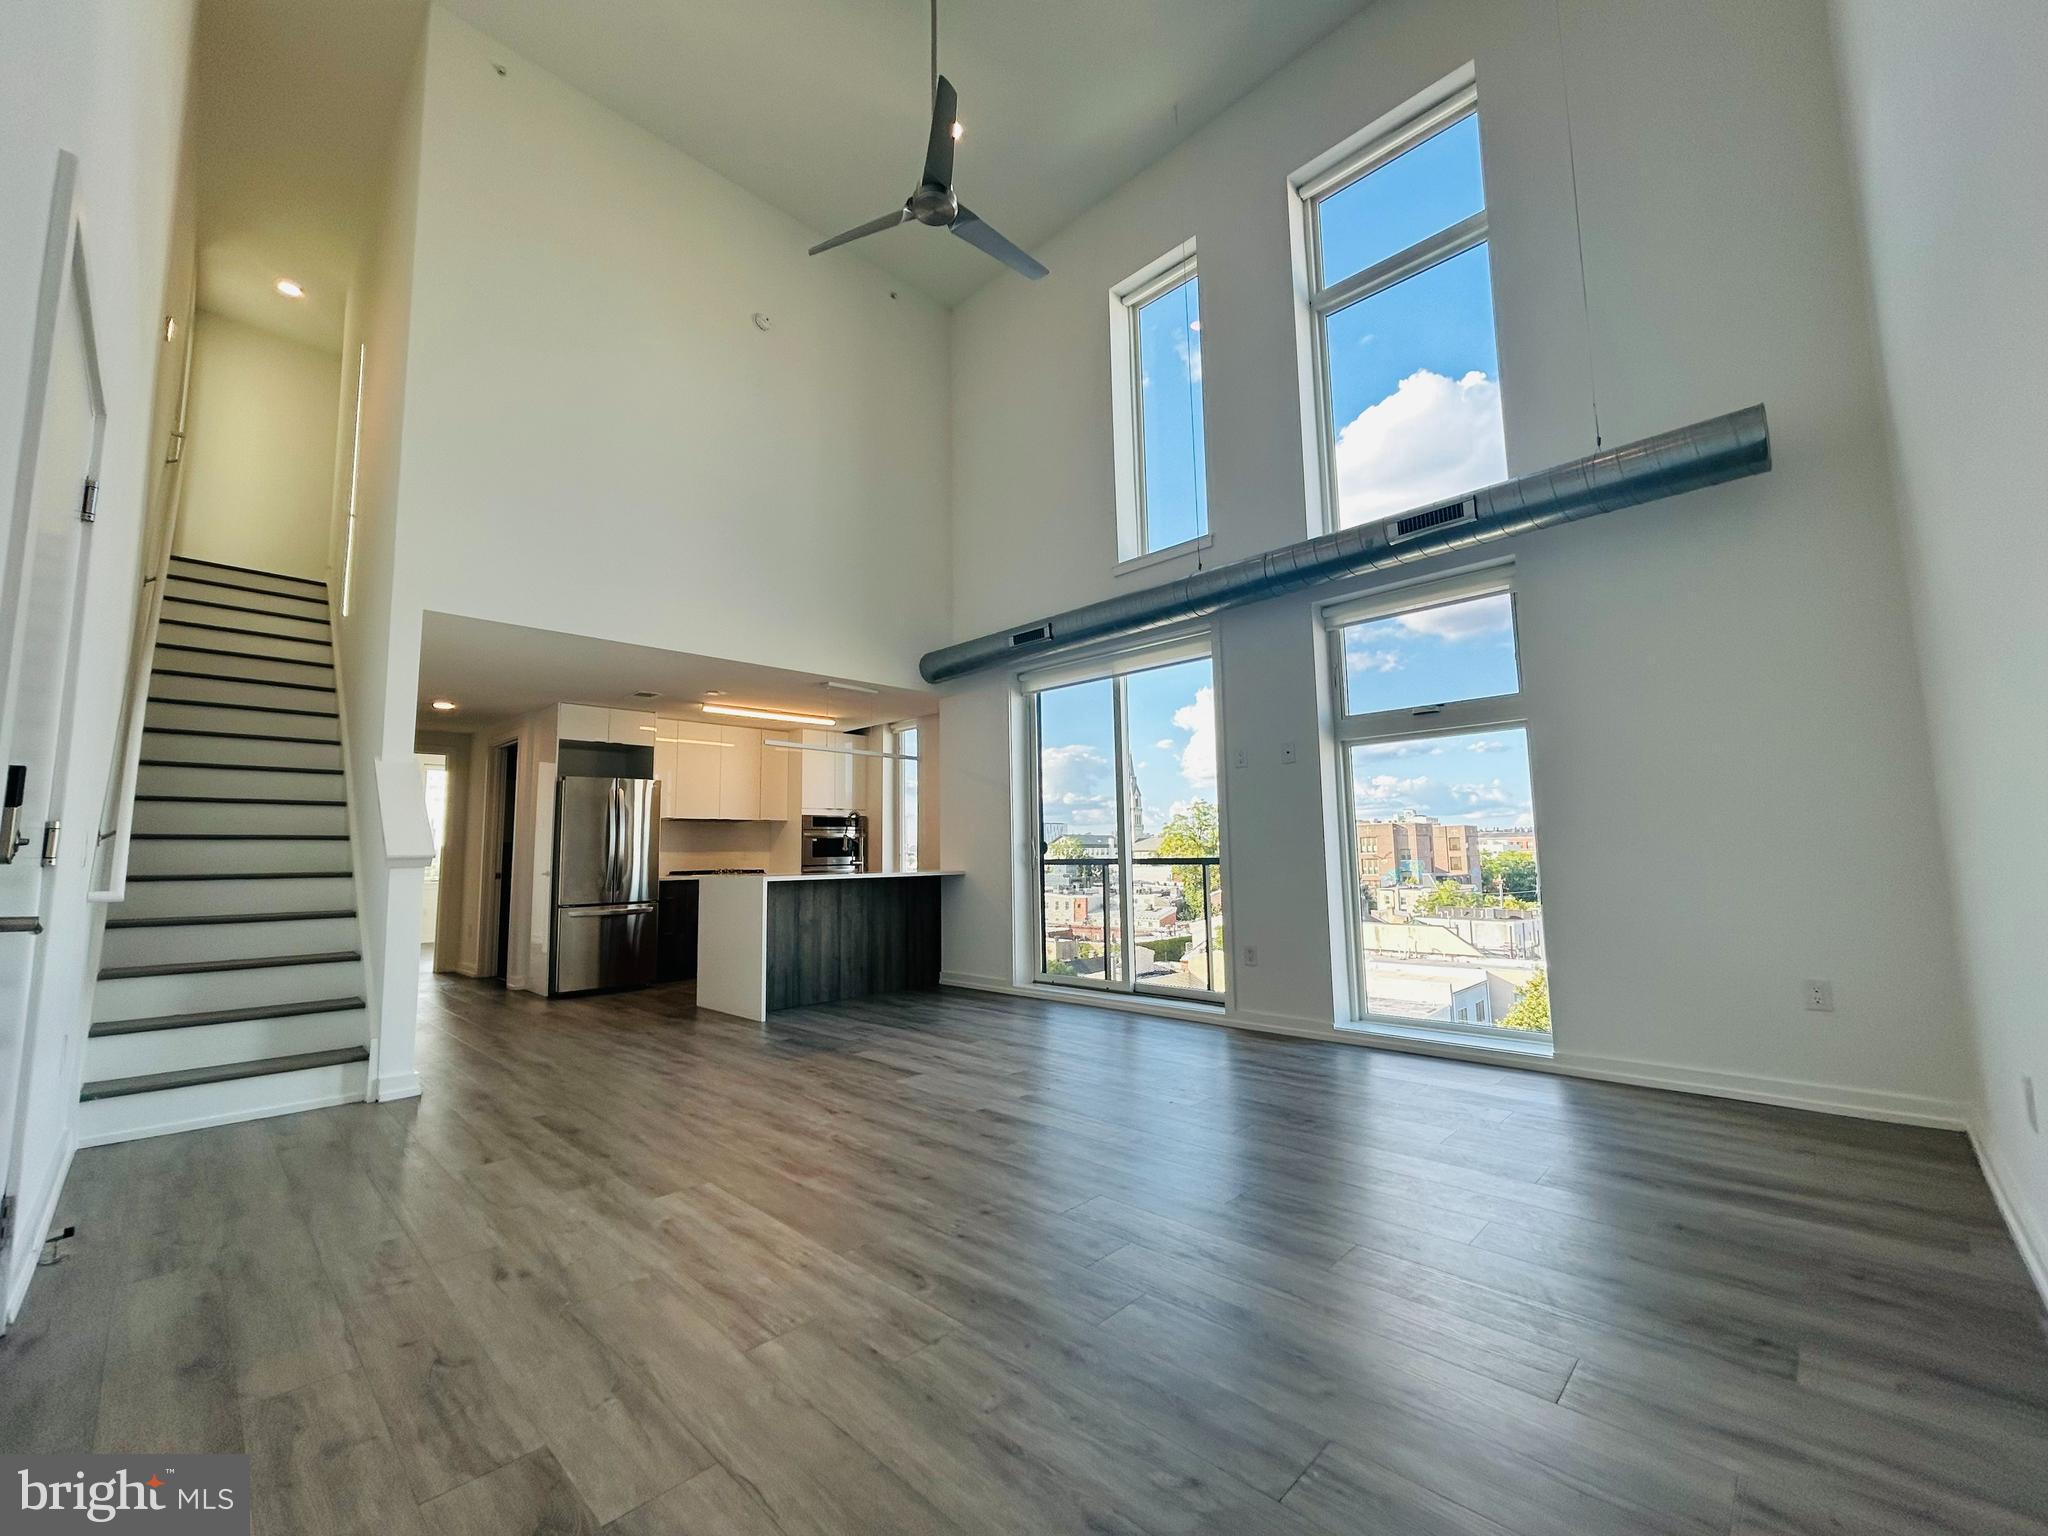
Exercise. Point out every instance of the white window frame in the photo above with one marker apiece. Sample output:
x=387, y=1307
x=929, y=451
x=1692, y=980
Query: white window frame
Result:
x=897, y=819
x=1418, y=722
x=1128, y=409
x=1114, y=665
x=1448, y=102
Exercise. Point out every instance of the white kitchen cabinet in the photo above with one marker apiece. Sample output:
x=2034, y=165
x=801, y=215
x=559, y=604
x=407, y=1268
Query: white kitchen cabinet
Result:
x=582, y=722
x=630, y=727
x=831, y=778
x=739, y=774
x=775, y=777
x=695, y=773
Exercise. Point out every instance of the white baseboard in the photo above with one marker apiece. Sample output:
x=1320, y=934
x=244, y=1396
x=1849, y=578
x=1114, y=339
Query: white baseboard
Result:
x=398, y=1085
x=27, y=1252
x=1822, y=1098
x=2031, y=1242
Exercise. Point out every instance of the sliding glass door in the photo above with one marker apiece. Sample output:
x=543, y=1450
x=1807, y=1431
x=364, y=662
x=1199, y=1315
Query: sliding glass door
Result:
x=1130, y=875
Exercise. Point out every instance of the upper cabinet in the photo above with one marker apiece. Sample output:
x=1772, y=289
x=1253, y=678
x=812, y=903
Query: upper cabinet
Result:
x=832, y=777
x=718, y=773
x=593, y=722
x=630, y=727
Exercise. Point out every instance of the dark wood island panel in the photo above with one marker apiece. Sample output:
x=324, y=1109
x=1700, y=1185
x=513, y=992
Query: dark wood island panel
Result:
x=833, y=939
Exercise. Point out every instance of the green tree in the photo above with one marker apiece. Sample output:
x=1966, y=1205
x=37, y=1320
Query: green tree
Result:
x=1532, y=1006
x=1068, y=847
x=1449, y=896
x=1191, y=833
x=1513, y=872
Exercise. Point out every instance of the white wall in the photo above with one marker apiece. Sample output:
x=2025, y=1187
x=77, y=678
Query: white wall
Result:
x=105, y=79
x=259, y=449
x=1949, y=127
x=1732, y=762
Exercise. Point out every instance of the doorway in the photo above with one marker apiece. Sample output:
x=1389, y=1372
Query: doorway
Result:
x=49, y=550
x=505, y=782
x=434, y=782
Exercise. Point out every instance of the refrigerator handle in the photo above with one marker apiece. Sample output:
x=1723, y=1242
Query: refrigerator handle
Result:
x=614, y=836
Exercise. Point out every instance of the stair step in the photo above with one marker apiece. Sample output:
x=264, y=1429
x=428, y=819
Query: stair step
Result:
x=154, y=995
x=287, y=895
x=226, y=919
x=192, y=1077
x=206, y=599
x=185, y=610
x=224, y=1016
x=314, y=604
x=238, y=815
x=282, y=647
x=231, y=720
x=181, y=747
x=226, y=685
x=288, y=581
x=237, y=663
x=204, y=854
x=197, y=967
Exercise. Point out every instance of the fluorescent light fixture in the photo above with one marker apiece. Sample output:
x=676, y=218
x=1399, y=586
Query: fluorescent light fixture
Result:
x=445, y=706
x=848, y=687
x=290, y=289
x=745, y=712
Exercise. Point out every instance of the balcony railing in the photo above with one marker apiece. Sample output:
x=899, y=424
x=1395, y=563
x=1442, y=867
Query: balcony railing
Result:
x=1098, y=880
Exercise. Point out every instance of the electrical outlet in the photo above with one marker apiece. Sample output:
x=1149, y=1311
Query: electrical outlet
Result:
x=1820, y=997
x=1251, y=955
x=2033, y=1116
x=1287, y=752
x=1241, y=758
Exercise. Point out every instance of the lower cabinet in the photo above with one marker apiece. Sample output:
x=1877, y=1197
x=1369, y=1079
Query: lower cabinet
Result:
x=675, y=954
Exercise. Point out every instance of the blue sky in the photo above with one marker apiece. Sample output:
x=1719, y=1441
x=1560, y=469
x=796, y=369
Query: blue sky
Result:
x=1170, y=377
x=1173, y=747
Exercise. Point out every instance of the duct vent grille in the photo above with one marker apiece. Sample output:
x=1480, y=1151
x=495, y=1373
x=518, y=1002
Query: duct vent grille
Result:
x=1031, y=636
x=1436, y=517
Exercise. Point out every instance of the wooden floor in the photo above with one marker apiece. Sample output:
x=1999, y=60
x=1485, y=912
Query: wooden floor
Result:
x=955, y=1263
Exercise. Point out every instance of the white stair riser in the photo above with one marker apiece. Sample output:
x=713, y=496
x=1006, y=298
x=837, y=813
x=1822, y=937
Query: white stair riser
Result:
x=228, y=816
x=253, y=782
x=148, y=997
x=214, y=1045
x=174, y=633
x=241, y=722
x=182, y=568
x=228, y=941
x=257, y=856
x=247, y=1098
x=182, y=611
x=263, y=668
x=241, y=690
x=191, y=589
x=163, y=746
x=196, y=898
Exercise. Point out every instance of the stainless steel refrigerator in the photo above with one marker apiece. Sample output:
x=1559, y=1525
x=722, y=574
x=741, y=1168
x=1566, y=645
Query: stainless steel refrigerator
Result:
x=606, y=888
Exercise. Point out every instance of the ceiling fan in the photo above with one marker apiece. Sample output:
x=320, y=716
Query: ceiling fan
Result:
x=934, y=202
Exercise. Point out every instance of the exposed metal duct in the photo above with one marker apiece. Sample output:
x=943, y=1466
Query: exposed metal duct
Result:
x=1669, y=464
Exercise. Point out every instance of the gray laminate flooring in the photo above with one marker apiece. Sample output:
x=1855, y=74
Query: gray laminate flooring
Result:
x=946, y=1262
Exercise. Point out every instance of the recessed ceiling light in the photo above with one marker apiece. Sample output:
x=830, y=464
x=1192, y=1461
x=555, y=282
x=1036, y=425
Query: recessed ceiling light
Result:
x=290, y=289
x=714, y=693
x=748, y=713
x=645, y=693
x=958, y=127
x=446, y=706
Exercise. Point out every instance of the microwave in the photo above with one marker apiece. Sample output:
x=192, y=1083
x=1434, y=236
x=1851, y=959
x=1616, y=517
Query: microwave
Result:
x=834, y=844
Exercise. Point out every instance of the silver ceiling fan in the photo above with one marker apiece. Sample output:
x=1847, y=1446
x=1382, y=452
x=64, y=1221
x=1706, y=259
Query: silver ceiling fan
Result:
x=934, y=202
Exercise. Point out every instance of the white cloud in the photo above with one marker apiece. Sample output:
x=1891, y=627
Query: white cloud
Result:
x=1075, y=783
x=1358, y=659
x=1480, y=796
x=1431, y=439
x=1198, y=757
x=1469, y=620
x=1163, y=745
x=1381, y=790
x=1487, y=744
x=1189, y=349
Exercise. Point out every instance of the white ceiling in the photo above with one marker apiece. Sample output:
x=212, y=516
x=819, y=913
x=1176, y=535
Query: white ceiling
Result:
x=293, y=106
x=494, y=671
x=820, y=107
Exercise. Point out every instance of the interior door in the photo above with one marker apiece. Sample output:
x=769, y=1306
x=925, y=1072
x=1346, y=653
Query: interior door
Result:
x=48, y=544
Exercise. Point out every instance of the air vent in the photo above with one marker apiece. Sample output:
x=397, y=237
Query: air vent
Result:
x=1436, y=517
x=1031, y=636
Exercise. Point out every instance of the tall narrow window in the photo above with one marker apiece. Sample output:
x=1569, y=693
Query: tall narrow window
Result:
x=903, y=741
x=1130, y=839
x=1446, y=906
x=1401, y=296
x=1156, y=351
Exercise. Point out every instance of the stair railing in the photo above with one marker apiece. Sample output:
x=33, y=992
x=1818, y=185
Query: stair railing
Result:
x=117, y=815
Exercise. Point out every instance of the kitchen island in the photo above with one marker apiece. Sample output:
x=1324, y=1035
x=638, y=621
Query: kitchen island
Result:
x=768, y=942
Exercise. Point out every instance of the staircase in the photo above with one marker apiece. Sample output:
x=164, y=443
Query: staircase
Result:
x=231, y=981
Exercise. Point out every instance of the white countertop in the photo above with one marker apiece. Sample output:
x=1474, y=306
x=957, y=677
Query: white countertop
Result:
x=857, y=874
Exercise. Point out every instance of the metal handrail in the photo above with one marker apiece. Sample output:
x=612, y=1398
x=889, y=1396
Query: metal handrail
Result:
x=1203, y=861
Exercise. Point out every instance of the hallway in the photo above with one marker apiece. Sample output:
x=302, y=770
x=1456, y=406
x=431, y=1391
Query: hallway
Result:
x=956, y=1262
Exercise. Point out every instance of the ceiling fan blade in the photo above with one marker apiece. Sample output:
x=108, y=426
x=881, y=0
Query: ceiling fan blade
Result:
x=938, y=152
x=862, y=231
x=983, y=238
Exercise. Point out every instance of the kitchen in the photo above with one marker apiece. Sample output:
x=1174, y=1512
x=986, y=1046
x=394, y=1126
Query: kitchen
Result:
x=769, y=838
